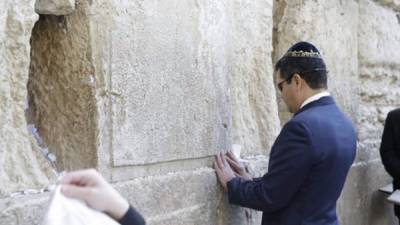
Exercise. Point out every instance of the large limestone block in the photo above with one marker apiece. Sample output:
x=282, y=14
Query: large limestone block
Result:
x=55, y=7
x=169, y=81
x=379, y=87
x=371, y=122
x=165, y=197
x=332, y=27
x=361, y=202
x=255, y=120
x=379, y=39
x=189, y=197
x=24, y=210
x=185, y=197
x=20, y=166
x=62, y=87
x=379, y=35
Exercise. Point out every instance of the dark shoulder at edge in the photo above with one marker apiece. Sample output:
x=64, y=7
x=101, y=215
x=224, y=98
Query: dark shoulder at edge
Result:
x=395, y=114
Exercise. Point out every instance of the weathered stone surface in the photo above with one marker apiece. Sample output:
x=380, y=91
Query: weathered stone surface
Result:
x=161, y=197
x=20, y=166
x=379, y=73
x=394, y=4
x=53, y=89
x=379, y=35
x=170, y=81
x=188, y=197
x=55, y=7
x=62, y=86
x=379, y=64
x=29, y=209
x=361, y=202
x=379, y=78
x=198, y=214
x=254, y=110
x=332, y=27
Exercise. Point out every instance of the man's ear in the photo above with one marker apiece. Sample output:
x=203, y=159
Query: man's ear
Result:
x=297, y=79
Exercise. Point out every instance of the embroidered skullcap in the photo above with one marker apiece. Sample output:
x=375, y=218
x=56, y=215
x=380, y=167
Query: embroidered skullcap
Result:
x=303, y=49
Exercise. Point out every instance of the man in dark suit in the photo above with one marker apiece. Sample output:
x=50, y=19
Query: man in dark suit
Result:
x=390, y=150
x=310, y=158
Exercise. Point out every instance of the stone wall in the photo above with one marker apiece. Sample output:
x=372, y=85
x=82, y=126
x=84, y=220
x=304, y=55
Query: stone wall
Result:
x=61, y=88
x=148, y=91
x=21, y=163
x=378, y=38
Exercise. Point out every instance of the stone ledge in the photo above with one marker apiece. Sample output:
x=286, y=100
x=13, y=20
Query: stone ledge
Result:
x=55, y=7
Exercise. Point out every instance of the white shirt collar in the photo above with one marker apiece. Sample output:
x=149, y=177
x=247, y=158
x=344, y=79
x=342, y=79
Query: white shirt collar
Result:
x=315, y=98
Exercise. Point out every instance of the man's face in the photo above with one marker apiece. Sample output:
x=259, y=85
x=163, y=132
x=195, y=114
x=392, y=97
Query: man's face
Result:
x=287, y=91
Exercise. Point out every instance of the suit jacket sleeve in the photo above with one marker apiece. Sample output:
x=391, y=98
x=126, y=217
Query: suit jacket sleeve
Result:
x=290, y=162
x=132, y=217
x=389, y=157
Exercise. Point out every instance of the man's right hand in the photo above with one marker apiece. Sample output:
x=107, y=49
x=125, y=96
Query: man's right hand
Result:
x=237, y=167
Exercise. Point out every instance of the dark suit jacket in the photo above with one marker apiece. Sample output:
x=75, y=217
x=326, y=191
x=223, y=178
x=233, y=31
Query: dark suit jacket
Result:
x=390, y=149
x=308, y=166
x=132, y=217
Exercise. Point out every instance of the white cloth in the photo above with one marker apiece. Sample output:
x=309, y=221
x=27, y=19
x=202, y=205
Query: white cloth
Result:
x=395, y=197
x=68, y=211
x=315, y=98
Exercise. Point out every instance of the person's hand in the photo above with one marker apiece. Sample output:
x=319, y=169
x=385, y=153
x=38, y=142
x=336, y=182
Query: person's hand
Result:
x=237, y=167
x=90, y=186
x=224, y=171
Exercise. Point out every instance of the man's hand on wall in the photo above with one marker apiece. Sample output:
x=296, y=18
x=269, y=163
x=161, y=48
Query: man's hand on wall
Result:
x=237, y=167
x=224, y=171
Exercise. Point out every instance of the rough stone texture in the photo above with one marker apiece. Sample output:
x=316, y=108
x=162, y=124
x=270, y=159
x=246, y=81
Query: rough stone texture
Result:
x=55, y=7
x=20, y=166
x=148, y=91
x=254, y=110
x=332, y=27
x=170, y=81
x=379, y=78
x=28, y=209
x=379, y=39
x=379, y=36
x=394, y=4
x=361, y=202
x=201, y=196
x=62, y=88
x=168, y=203
x=188, y=197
